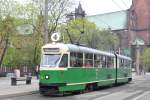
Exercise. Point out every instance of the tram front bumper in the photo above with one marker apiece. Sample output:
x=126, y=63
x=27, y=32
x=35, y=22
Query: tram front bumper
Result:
x=47, y=89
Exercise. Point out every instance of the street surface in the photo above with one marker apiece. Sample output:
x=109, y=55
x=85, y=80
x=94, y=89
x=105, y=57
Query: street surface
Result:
x=138, y=89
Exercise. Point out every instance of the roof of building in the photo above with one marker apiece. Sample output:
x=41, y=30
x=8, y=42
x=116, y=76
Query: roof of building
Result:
x=114, y=20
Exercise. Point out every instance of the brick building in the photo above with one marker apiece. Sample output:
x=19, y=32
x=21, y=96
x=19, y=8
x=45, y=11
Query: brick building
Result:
x=132, y=25
x=139, y=21
x=139, y=26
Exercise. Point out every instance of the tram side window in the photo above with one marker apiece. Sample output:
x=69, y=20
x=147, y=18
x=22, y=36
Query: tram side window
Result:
x=110, y=62
x=127, y=63
x=103, y=60
x=107, y=61
x=130, y=64
x=76, y=59
x=80, y=59
x=97, y=62
x=121, y=63
x=88, y=60
x=64, y=61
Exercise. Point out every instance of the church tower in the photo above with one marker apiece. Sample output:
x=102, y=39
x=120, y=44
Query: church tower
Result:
x=79, y=12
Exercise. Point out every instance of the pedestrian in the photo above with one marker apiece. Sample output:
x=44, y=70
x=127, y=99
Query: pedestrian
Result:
x=17, y=72
x=37, y=71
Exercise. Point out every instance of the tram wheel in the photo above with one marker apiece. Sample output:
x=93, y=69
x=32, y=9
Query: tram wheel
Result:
x=89, y=88
x=61, y=94
x=129, y=79
x=76, y=92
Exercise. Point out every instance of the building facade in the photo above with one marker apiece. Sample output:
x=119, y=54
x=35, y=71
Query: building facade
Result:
x=131, y=25
x=117, y=22
x=139, y=21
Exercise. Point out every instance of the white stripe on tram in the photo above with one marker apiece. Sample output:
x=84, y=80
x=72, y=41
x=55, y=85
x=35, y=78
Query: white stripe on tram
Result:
x=46, y=68
x=89, y=82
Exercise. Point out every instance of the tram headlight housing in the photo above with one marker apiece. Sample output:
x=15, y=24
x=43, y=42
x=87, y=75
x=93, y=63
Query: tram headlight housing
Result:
x=46, y=77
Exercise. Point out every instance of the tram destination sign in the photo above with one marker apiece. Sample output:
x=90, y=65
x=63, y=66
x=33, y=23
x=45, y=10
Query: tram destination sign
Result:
x=51, y=49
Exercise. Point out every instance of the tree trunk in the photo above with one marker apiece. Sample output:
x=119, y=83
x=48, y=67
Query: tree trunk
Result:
x=4, y=52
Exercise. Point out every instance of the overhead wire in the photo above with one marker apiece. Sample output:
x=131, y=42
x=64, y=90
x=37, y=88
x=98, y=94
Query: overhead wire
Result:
x=124, y=4
x=121, y=8
x=109, y=26
x=117, y=5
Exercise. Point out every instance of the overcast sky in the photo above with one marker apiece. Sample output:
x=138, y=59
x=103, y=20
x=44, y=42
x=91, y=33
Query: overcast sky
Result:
x=93, y=7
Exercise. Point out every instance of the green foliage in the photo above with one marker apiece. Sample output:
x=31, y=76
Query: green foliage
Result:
x=25, y=49
x=9, y=57
x=38, y=40
x=92, y=36
x=7, y=8
x=146, y=57
x=20, y=52
x=7, y=29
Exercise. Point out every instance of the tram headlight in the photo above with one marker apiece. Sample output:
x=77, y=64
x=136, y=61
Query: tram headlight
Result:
x=47, y=77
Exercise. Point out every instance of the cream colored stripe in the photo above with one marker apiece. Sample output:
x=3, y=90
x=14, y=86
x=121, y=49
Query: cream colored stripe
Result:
x=88, y=82
x=46, y=68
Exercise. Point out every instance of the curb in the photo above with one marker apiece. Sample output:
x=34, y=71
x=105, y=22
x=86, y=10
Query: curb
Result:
x=18, y=94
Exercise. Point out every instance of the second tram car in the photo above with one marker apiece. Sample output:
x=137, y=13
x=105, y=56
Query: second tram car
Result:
x=72, y=68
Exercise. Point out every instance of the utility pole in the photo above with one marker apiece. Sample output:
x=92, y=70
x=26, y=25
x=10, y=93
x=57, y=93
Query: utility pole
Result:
x=46, y=22
x=137, y=59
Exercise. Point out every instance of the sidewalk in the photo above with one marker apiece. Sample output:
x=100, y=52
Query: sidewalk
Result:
x=140, y=77
x=6, y=90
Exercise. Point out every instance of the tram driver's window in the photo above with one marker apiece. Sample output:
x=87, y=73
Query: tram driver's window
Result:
x=64, y=61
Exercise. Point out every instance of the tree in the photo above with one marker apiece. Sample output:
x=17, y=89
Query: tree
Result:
x=33, y=12
x=92, y=36
x=57, y=10
x=7, y=7
x=146, y=57
x=7, y=28
x=25, y=48
x=38, y=40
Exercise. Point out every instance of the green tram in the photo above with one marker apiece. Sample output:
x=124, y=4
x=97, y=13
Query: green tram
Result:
x=74, y=68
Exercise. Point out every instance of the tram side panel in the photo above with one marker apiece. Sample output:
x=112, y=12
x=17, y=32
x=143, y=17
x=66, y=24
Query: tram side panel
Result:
x=79, y=78
x=124, y=70
x=74, y=79
x=123, y=75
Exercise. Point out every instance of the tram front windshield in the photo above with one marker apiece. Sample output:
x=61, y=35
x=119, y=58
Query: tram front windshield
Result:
x=50, y=60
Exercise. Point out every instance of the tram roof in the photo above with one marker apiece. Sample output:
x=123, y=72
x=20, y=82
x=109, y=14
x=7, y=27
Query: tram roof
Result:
x=77, y=48
x=124, y=57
